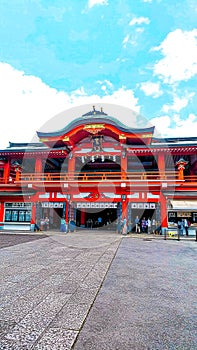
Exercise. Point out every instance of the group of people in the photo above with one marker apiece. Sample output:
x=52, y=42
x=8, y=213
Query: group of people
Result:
x=182, y=225
x=67, y=227
x=42, y=225
x=146, y=225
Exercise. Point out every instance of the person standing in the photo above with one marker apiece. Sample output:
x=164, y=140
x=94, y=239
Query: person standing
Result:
x=186, y=226
x=149, y=225
x=137, y=224
x=124, y=229
x=119, y=225
x=100, y=221
x=46, y=223
x=180, y=227
x=144, y=225
x=153, y=226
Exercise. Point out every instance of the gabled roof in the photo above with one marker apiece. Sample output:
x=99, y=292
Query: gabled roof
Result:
x=96, y=123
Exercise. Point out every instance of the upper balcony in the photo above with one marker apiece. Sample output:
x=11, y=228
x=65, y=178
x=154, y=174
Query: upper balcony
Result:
x=84, y=180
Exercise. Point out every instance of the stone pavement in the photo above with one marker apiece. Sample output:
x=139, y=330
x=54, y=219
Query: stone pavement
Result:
x=98, y=290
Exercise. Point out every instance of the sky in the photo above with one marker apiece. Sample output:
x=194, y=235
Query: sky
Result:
x=58, y=55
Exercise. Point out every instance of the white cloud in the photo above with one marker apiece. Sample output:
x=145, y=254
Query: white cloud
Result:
x=139, y=20
x=178, y=103
x=125, y=41
x=167, y=126
x=105, y=84
x=162, y=125
x=27, y=103
x=180, y=56
x=92, y=3
x=151, y=89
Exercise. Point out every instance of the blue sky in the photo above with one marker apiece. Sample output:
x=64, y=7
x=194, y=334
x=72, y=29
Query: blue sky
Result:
x=54, y=55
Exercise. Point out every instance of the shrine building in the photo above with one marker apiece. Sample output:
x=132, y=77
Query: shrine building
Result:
x=96, y=171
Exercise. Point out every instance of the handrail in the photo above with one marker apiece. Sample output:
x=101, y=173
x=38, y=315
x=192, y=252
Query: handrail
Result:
x=98, y=176
x=101, y=176
x=89, y=176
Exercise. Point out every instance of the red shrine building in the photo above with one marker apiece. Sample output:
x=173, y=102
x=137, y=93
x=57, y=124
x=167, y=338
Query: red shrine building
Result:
x=96, y=171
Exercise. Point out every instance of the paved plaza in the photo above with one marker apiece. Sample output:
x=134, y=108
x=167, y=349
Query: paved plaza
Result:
x=94, y=290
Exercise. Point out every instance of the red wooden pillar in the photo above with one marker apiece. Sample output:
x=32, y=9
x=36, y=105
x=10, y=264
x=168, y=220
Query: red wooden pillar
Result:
x=123, y=177
x=161, y=165
x=123, y=165
x=124, y=209
x=66, y=214
x=83, y=218
x=33, y=214
x=164, y=214
x=1, y=211
x=38, y=165
x=6, y=172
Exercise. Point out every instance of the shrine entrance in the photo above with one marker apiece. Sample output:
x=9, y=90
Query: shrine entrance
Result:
x=97, y=215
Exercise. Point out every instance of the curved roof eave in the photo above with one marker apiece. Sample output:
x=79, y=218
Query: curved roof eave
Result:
x=92, y=119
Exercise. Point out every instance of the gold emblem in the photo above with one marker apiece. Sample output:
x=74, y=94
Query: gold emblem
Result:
x=66, y=138
x=94, y=128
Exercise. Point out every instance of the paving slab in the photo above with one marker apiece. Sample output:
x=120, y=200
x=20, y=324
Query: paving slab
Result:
x=97, y=290
x=49, y=285
x=147, y=300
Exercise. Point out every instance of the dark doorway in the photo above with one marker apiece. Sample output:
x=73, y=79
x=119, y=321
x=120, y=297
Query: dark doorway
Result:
x=105, y=218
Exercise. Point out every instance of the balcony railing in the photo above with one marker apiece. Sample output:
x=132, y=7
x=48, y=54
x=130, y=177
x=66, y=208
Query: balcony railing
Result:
x=98, y=176
x=83, y=177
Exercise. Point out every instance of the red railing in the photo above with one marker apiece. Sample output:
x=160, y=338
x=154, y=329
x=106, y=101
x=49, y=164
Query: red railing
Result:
x=101, y=176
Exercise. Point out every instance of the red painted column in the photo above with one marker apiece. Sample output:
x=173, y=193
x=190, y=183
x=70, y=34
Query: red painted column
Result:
x=123, y=165
x=161, y=165
x=38, y=165
x=6, y=172
x=67, y=218
x=82, y=218
x=1, y=211
x=124, y=209
x=33, y=214
x=123, y=177
x=164, y=214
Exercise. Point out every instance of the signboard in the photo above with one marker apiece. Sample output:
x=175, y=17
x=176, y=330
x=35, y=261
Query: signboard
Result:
x=96, y=205
x=18, y=205
x=143, y=205
x=52, y=205
x=184, y=214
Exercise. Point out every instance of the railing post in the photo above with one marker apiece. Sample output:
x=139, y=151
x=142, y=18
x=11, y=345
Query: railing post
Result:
x=196, y=235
